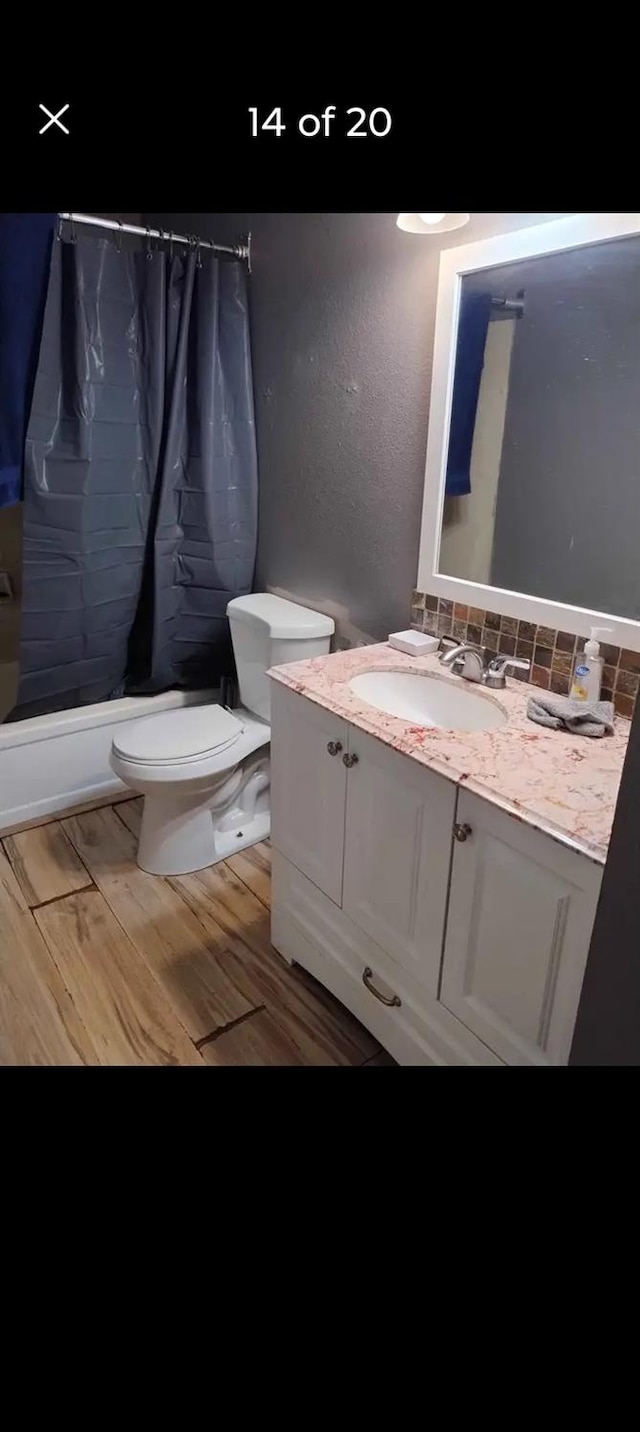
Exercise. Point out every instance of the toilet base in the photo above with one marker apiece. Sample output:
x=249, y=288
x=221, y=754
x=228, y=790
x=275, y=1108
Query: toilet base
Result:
x=174, y=843
x=181, y=834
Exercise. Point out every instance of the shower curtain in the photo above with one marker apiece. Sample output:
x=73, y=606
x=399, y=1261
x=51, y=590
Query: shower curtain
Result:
x=25, y=251
x=140, y=507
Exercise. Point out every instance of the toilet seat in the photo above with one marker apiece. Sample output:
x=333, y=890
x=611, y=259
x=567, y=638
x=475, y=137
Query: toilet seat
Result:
x=178, y=738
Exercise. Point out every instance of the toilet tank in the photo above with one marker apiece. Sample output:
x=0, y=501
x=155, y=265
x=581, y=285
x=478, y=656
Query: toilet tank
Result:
x=267, y=631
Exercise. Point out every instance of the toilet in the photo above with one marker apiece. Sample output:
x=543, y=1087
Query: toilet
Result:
x=204, y=770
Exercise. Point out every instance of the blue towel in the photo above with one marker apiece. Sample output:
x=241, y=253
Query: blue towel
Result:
x=25, y=252
x=473, y=326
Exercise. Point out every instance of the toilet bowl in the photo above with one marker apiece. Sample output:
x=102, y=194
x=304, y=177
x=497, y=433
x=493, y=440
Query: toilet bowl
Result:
x=204, y=770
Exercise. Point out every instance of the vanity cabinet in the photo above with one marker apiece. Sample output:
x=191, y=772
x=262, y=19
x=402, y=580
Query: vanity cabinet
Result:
x=453, y=931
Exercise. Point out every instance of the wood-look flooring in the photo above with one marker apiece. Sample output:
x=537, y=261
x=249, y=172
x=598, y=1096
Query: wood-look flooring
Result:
x=101, y=963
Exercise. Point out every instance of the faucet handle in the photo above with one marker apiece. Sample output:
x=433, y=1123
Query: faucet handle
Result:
x=496, y=675
x=500, y=663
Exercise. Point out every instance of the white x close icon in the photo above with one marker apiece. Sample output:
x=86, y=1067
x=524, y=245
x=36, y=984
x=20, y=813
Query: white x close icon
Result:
x=54, y=118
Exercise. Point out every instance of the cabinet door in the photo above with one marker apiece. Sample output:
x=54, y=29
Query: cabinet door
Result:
x=398, y=835
x=308, y=788
x=521, y=913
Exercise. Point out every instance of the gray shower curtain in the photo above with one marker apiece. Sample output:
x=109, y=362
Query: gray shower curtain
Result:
x=140, y=507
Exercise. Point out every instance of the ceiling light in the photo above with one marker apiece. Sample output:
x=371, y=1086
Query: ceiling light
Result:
x=431, y=223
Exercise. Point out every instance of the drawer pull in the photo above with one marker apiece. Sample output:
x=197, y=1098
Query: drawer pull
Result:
x=462, y=832
x=334, y=748
x=350, y=761
x=367, y=980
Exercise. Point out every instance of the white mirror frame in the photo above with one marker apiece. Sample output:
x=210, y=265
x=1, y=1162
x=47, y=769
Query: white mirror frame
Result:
x=578, y=231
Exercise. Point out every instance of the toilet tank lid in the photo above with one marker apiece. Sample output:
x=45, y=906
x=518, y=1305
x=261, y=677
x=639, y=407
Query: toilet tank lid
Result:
x=282, y=619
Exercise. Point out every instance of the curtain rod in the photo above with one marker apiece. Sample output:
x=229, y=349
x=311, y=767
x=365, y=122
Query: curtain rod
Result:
x=236, y=251
x=510, y=305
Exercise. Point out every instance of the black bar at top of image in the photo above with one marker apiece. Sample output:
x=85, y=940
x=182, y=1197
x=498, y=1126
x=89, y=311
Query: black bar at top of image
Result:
x=140, y=152
x=206, y=153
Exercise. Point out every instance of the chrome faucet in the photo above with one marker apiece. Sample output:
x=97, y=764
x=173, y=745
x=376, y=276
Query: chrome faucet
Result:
x=479, y=664
x=470, y=662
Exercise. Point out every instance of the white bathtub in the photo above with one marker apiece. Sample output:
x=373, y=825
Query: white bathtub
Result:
x=53, y=762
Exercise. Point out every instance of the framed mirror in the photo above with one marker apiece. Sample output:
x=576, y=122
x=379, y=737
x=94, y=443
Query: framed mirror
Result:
x=532, y=489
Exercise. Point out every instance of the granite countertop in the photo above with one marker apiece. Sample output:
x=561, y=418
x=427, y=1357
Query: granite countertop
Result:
x=564, y=785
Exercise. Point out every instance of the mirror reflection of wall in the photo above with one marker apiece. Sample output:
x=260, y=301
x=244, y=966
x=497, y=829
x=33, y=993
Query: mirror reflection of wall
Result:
x=552, y=503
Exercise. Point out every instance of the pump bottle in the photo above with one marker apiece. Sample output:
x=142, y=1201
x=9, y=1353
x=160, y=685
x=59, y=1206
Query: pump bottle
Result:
x=586, y=682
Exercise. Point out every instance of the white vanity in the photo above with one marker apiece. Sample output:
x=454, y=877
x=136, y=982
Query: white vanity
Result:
x=437, y=856
x=456, y=931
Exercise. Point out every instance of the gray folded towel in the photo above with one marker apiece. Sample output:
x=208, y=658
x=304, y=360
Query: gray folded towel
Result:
x=582, y=718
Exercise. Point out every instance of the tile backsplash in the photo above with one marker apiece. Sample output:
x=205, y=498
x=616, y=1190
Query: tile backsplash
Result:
x=550, y=652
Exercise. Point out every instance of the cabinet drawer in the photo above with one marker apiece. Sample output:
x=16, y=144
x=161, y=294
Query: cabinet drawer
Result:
x=308, y=930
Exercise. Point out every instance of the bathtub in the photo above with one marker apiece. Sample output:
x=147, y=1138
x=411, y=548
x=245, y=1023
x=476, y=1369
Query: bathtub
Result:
x=52, y=763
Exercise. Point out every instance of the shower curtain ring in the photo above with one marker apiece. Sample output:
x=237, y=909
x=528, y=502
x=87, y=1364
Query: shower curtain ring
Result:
x=149, y=249
x=73, y=236
x=59, y=228
x=120, y=233
x=198, y=253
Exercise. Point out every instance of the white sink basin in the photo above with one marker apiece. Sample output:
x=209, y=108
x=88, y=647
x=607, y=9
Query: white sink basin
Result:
x=428, y=700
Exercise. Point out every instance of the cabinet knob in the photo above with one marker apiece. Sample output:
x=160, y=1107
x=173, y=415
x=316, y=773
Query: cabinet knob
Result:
x=350, y=761
x=334, y=748
x=462, y=832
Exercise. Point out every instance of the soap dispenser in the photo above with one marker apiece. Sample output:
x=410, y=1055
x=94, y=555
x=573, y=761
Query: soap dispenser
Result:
x=586, y=682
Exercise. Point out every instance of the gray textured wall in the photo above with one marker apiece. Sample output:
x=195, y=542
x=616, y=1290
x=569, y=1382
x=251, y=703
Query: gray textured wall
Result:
x=568, y=511
x=343, y=309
